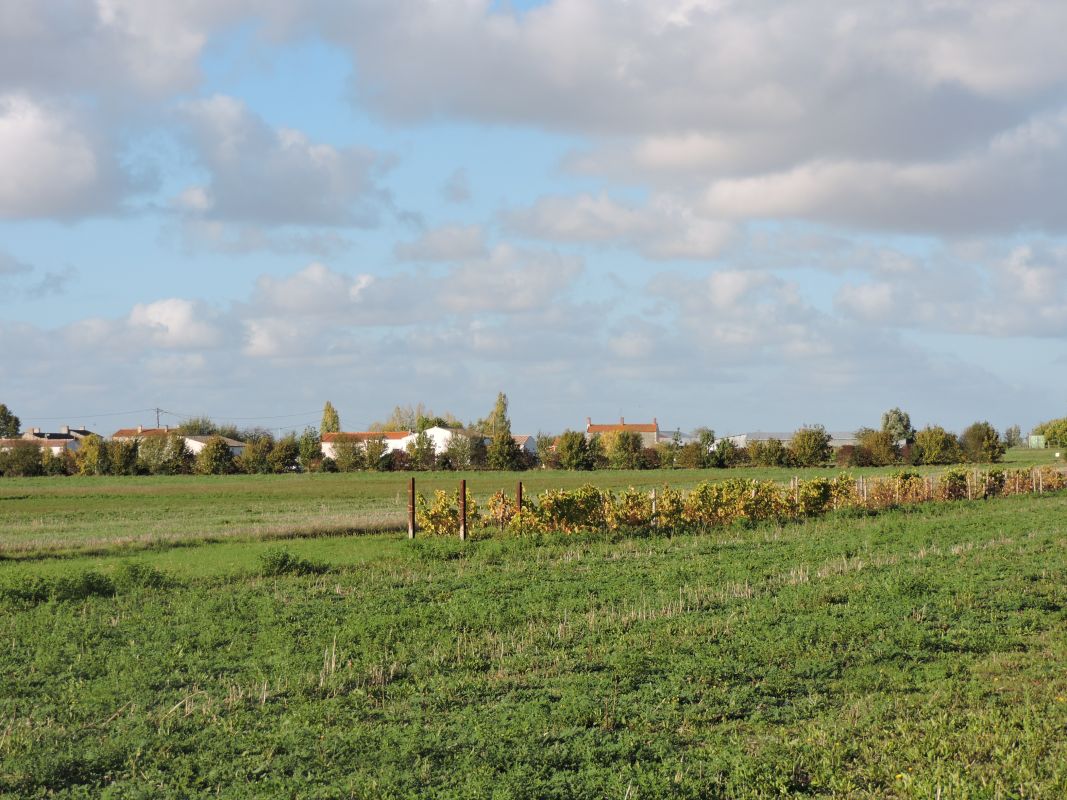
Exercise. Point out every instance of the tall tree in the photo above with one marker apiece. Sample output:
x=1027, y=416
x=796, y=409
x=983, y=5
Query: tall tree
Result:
x=331, y=421
x=572, y=451
x=503, y=451
x=310, y=449
x=10, y=425
x=897, y=424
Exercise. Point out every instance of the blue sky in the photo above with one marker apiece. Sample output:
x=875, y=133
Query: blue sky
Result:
x=739, y=215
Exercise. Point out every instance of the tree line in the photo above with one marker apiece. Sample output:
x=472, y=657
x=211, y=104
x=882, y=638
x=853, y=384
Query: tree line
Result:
x=488, y=444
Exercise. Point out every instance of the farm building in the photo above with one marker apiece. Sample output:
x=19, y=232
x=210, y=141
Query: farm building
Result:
x=837, y=438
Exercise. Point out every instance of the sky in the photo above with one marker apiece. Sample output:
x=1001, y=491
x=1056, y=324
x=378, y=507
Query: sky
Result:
x=746, y=215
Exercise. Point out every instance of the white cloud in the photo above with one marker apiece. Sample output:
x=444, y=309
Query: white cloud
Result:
x=662, y=229
x=446, y=243
x=1011, y=183
x=278, y=176
x=175, y=323
x=53, y=165
x=1020, y=293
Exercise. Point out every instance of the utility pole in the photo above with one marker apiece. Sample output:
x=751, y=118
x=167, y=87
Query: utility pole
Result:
x=157, y=416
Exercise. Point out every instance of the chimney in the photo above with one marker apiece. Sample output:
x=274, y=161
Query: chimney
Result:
x=65, y=429
x=622, y=420
x=588, y=421
x=140, y=429
x=656, y=423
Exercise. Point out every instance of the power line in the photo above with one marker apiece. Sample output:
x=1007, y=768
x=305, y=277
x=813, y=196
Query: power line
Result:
x=225, y=418
x=93, y=416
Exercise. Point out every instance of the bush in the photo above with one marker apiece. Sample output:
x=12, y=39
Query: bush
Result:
x=138, y=575
x=879, y=447
x=277, y=561
x=771, y=453
x=216, y=458
x=572, y=451
x=23, y=460
x=29, y=589
x=83, y=585
x=935, y=445
x=810, y=446
x=981, y=443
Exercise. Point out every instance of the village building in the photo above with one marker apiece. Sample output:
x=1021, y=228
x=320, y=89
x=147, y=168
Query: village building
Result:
x=66, y=438
x=195, y=443
x=648, y=431
x=393, y=440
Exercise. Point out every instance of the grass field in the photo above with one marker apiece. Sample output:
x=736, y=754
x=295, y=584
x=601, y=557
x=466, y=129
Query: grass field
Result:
x=917, y=653
x=65, y=515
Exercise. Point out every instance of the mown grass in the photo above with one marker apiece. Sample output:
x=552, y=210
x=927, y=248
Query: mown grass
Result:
x=917, y=653
x=62, y=515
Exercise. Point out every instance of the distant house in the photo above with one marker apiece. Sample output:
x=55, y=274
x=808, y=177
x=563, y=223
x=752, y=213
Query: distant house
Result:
x=649, y=431
x=526, y=443
x=393, y=440
x=54, y=446
x=66, y=438
x=195, y=443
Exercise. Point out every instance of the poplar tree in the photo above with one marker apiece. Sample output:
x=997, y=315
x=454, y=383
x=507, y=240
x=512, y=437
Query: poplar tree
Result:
x=331, y=422
x=503, y=451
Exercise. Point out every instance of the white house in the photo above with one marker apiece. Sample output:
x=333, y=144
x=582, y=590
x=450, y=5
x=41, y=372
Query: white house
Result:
x=197, y=443
x=526, y=443
x=393, y=440
x=194, y=443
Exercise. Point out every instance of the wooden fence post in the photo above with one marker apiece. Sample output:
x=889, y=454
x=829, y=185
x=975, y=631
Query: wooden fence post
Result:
x=655, y=522
x=463, y=510
x=411, y=509
x=518, y=502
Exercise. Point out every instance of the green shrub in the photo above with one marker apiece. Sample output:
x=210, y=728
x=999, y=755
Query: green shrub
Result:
x=83, y=585
x=29, y=588
x=278, y=561
x=138, y=575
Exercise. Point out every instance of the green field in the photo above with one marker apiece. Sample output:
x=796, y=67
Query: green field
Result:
x=916, y=653
x=95, y=513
